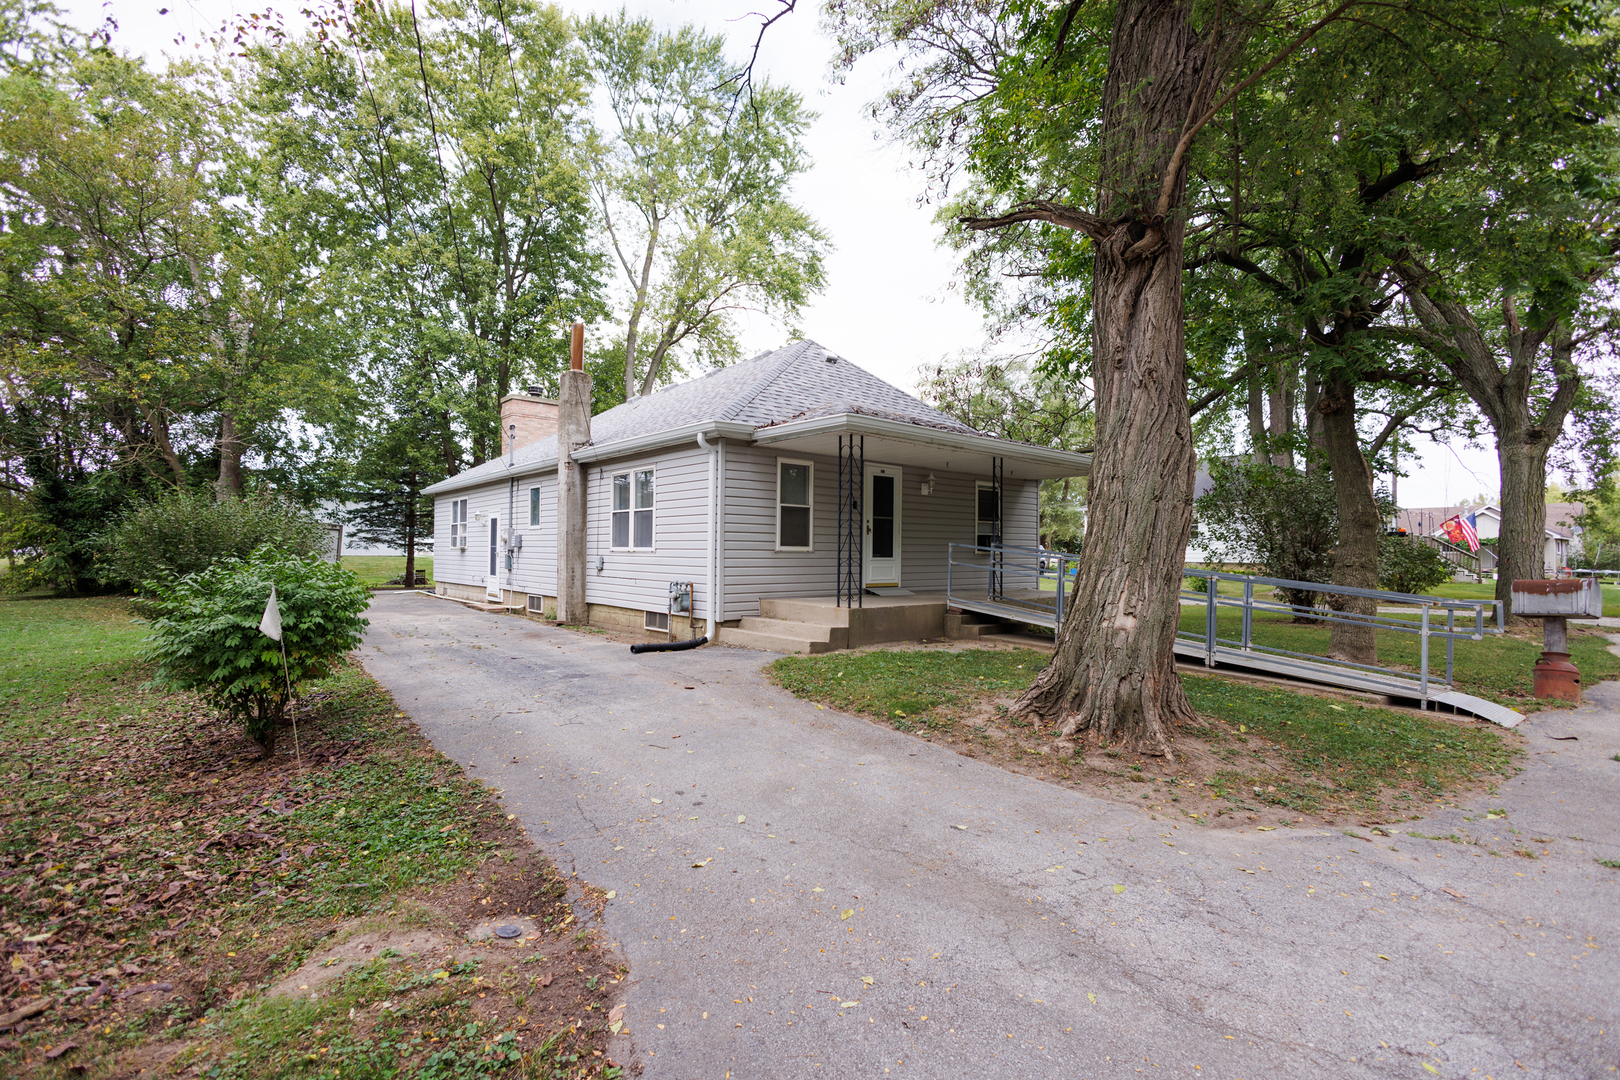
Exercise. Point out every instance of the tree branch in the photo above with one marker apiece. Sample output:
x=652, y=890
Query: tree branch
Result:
x=1180, y=152
x=1041, y=210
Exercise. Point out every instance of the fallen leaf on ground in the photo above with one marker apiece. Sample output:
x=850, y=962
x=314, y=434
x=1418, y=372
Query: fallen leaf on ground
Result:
x=1119, y=888
x=616, y=1014
x=701, y=863
x=1091, y=998
x=741, y=818
x=962, y=827
x=1454, y=892
x=1265, y=828
x=848, y=1004
x=57, y=1052
x=611, y=893
x=845, y=914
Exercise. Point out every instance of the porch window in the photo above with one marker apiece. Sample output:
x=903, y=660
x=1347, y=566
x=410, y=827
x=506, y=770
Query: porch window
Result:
x=633, y=510
x=795, y=485
x=534, y=506
x=989, y=514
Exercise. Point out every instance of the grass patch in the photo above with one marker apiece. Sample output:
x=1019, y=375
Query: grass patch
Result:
x=1486, y=590
x=908, y=688
x=374, y=570
x=156, y=877
x=1498, y=668
x=1262, y=748
x=1349, y=755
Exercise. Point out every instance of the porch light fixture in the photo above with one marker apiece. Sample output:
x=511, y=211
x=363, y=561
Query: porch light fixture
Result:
x=928, y=485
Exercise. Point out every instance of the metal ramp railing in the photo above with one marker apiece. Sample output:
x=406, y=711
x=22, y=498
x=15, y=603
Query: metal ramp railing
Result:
x=1023, y=585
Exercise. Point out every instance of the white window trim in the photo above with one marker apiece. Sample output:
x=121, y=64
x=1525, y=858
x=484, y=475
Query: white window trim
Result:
x=812, y=467
x=534, y=507
x=988, y=485
x=631, y=473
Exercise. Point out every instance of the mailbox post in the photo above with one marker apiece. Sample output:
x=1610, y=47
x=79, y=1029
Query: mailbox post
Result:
x=1554, y=602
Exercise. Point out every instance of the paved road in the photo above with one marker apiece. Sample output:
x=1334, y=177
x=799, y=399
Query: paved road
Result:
x=1056, y=935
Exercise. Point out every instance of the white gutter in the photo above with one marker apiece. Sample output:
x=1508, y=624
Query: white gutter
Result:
x=713, y=582
x=857, y=424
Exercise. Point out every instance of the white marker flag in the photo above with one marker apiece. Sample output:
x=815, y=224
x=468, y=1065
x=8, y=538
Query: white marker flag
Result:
x=270, y=625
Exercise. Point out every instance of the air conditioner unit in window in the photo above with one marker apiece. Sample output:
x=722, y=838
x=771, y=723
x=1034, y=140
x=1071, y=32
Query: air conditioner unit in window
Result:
x=461, y=542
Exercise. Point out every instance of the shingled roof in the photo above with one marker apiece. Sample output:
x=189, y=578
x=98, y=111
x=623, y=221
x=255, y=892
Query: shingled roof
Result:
x=799, y=380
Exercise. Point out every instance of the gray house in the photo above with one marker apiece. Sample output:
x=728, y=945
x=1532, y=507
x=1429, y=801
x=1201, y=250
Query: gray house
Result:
x=785, y=490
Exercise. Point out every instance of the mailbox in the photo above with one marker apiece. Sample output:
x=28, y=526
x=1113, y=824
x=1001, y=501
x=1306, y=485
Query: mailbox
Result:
x=1565, y=599
x=1553, y=602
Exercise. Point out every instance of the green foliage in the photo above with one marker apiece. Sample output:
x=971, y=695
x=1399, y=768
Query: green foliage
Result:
x=1284, y=521
x=206, y=634
x=182, y=532
x=693, y=185
x=1406, y=564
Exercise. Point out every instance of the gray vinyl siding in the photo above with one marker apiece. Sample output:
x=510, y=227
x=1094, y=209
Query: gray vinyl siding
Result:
x=535, y=567
x=751, y=567
x=640, y=579
x=754, y=569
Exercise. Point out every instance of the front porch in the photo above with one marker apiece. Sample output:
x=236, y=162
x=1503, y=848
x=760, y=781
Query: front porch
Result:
x=819, y=624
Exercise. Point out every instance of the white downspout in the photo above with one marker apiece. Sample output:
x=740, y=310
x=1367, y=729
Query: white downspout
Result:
x=713, y=451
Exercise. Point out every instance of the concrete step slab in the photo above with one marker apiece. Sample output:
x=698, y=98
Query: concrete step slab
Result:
x=835, y=636
x=753, y=639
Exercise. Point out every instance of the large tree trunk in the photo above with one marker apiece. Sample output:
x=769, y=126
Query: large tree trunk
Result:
x=1355, y=559
x=1113, y=675
x=229, y=485
x=1522, y=545
x=411, y=502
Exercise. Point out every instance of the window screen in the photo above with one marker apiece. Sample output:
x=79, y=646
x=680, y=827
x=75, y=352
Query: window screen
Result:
x=644, y=509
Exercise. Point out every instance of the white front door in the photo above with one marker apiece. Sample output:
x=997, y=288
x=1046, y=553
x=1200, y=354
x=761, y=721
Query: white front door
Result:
x=492, y=583
x=882, y=525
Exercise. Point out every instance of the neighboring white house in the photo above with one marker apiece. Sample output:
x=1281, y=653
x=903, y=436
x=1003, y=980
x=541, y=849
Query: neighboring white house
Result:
x=738, y=482
x=1563, y=531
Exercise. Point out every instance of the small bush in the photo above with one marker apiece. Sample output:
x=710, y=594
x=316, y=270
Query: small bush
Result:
x=183, y=532
x=1408, y=565
x=206, y=634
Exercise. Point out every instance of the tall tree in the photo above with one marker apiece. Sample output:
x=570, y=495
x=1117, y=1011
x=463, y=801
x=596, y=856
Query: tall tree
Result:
x=693, y=184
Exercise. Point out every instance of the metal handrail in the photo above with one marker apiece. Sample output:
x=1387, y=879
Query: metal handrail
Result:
x=1480, y=618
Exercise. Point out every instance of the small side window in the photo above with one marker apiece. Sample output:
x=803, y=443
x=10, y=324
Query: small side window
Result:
x=795, y=495
x=534, y=506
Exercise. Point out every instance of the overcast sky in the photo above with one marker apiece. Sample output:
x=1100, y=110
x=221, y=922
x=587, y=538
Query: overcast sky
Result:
x=891, y=304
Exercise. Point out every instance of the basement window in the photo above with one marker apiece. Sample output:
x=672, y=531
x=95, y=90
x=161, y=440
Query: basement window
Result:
x=795, y=484
x=633, y=510
x=655, y=620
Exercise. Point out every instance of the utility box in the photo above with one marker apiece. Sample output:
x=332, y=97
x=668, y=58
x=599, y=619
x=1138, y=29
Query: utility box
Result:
x=1565, y=599
x=1554, y=602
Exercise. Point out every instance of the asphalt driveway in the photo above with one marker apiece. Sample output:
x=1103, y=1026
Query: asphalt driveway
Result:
x=870, y=905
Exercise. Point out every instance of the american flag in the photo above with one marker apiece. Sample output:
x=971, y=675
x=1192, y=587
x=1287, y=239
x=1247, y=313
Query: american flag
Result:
x=1462, y=529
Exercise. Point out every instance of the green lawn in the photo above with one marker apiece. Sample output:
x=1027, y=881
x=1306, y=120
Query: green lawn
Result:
x=142, y=840
x=375, y=570
x=1342, y=754
x=1486, y=590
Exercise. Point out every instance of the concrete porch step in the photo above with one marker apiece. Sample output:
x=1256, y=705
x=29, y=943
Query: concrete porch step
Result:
x=835, y=636
x=771, y=642
x=971, y=626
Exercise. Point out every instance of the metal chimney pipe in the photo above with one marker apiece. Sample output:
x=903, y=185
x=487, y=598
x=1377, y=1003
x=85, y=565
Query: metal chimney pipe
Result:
x=576, y=348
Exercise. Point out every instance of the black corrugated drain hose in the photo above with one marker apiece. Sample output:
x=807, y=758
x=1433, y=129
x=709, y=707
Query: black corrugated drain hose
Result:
x=668, y=646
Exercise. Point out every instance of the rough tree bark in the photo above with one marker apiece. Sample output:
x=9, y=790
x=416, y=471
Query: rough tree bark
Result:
x=1113, y=677
x=229, y=485
x=1538, y=351
x=1355, y=559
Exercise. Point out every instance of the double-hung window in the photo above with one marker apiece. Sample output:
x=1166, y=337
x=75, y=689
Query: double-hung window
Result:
x=633, y=510
x=795, y=484
x=458, y=522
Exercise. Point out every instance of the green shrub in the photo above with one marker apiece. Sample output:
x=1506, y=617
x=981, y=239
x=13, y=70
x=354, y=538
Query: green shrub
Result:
x=183, y=532
x=205, y=636
x=1406, y=564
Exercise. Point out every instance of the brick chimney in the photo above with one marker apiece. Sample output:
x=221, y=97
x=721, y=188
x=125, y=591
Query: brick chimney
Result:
x=535, y=417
